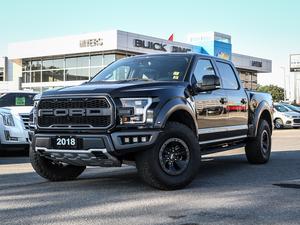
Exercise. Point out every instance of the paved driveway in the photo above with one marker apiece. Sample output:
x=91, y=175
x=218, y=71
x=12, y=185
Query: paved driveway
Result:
x=227, y=190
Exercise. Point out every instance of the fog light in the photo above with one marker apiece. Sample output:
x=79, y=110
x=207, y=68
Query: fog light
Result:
x=8, y=137
x=135, y=140
x=144, y=139
x=127, y=140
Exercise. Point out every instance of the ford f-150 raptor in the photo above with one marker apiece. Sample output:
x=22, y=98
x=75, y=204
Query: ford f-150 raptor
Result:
x=162, y=112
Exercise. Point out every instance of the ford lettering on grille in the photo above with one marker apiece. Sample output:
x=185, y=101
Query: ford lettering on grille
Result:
x=75, y=113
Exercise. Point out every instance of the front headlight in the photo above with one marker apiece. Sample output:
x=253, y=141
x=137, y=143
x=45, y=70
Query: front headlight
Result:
x=8, y=119
x=135, y=111
x=36, y=99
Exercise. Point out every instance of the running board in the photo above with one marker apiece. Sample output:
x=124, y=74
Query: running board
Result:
x=212, y=150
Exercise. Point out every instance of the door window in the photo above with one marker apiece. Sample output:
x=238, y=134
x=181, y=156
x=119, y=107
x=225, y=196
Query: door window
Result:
x=228, y=76
x=203, y=67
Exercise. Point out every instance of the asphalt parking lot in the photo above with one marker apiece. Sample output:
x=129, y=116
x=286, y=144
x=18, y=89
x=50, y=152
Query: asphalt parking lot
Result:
x=227, y=190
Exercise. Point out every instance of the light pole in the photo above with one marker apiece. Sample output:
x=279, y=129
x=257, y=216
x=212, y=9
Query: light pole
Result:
x=284, y=91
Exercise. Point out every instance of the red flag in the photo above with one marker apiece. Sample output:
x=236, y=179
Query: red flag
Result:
x=171, y=38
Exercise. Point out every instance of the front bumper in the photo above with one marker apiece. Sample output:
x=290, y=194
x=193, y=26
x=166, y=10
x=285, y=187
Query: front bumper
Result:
x=290, y=123
x=95, y=150
x=13, y=137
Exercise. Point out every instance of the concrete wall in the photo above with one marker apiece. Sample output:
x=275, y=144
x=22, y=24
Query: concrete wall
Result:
x=9, y=86
x=83, y=43
x=252, y=63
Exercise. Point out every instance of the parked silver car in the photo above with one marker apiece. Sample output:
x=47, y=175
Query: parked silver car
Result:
x=285, y=117
x=15, y=107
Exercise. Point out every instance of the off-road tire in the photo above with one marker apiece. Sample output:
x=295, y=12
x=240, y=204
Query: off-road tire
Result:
x=258, y=149
x=149, y=162
x=53, y=171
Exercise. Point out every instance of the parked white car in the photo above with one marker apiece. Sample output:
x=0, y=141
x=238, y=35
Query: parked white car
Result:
x=15, y=107
x=285, y=117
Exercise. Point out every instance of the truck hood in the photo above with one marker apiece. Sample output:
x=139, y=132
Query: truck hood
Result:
x=290, y=113
x=18, y=110
x=119, y=89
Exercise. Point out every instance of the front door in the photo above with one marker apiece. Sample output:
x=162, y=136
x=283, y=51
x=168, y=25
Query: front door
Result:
x=211, y=106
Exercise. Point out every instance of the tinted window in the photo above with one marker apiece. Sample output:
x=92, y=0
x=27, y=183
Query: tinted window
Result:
x=16, y=99
x=228, y=76
x=203, y=67
x=160, y=67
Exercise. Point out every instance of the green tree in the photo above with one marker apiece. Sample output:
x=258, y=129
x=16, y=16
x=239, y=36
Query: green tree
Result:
x=276, y=92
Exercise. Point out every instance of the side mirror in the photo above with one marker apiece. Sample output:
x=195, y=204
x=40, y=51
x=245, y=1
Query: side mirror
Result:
x=209, y=83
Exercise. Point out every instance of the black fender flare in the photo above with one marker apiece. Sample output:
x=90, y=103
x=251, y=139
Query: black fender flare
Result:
x=172, y=106
x=262, y=107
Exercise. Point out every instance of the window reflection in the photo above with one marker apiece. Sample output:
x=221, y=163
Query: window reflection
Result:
x=96, y=60
x=75, y=68
x=53, y=76
x=26, y=77
x=36, y=65
x=108, y=59
x=58, y=63
x=77, y=74
x=75, y=62
x=95, y=70
x=83, y=61
x=26, y=65
x=36, y=76
x=71, y=62
x=53, y=64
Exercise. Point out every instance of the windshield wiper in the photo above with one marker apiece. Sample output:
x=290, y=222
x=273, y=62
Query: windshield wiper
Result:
x=136, y=79
x=118, y=81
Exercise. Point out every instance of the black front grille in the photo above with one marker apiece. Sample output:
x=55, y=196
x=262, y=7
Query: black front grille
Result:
x=74, y=103
x=296, y=120
x=75, y=121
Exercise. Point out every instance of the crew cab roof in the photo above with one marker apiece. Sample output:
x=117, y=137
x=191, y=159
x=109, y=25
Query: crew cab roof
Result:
x=182, y=54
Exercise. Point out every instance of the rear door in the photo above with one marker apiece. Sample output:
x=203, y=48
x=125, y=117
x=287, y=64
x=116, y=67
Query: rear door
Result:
x=210, y=106
x=237, y=106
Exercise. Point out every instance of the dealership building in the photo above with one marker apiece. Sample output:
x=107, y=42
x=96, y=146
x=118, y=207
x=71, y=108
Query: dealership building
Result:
x=71, y=60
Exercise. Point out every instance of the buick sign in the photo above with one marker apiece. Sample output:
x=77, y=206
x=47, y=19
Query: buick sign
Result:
x=157, y=46
x=150, y=45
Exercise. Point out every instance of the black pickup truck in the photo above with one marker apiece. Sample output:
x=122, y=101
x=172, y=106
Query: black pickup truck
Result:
x=162, y=112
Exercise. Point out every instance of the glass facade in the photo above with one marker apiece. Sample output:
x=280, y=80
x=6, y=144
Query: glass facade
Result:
x=249, y=79
x=57, y=69
x=83, y=67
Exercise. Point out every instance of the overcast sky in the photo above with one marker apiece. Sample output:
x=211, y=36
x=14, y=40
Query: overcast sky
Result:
x=267, y=29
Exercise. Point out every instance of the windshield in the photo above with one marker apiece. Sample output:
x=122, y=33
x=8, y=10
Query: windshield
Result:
x=294, y=108
x=281, y=108
x=159, y=68
x=16, y=99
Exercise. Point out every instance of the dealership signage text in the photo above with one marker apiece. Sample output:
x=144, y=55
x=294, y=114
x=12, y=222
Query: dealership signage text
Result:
x=158, y=46
x=91, y=42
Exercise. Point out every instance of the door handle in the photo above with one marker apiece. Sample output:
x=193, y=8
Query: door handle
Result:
x=244, y=101
x=223, y=101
